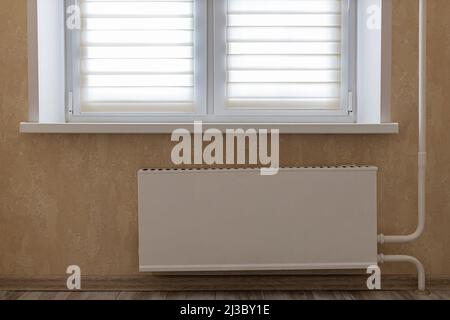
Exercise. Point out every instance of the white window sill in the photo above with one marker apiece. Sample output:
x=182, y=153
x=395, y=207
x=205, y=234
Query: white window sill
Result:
x=158, y=128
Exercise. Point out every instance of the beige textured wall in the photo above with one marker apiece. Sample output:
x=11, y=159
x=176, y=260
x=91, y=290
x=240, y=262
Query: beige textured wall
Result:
x=71, y=199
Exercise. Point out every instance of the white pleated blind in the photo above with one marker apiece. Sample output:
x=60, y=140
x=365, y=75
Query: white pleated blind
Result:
x=284, y=54
x=137, y=56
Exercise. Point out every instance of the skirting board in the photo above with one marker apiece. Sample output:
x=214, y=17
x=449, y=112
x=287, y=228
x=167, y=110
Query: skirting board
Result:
x=150, y=283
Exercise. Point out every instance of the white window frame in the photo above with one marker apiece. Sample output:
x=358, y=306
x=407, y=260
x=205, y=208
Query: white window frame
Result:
x=216, y=110
x=48, y=101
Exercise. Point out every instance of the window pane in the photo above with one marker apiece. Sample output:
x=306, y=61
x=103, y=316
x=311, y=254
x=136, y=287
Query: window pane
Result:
x=284, y=54
x=137, y=56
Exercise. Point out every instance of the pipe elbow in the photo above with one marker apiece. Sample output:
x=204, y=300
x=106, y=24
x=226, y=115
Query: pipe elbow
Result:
x=400, y=258
x=382, y=239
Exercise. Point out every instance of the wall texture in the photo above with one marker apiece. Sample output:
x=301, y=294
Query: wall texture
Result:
x=71, y=199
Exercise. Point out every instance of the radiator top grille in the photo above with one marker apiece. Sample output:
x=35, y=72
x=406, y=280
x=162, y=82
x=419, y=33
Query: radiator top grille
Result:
x=348, y=167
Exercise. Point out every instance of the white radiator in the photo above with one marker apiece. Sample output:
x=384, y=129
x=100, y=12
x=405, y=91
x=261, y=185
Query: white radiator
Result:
x=238, y=220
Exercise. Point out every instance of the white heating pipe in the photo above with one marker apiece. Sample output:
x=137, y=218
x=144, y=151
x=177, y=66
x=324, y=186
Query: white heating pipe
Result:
x=422, y=134
x=422, y=157
x=420, y=269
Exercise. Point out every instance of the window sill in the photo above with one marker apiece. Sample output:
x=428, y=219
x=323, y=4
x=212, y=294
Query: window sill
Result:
x=164, y=128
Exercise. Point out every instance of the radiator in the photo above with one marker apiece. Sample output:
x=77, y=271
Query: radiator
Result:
x=238, y=220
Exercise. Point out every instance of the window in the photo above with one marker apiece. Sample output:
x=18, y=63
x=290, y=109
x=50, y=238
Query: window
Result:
x=147, y=59
x=219, y=61
x=137, y=57
x=284, y=57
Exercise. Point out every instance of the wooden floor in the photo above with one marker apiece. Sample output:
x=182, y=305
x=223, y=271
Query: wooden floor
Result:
x=226, y=295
